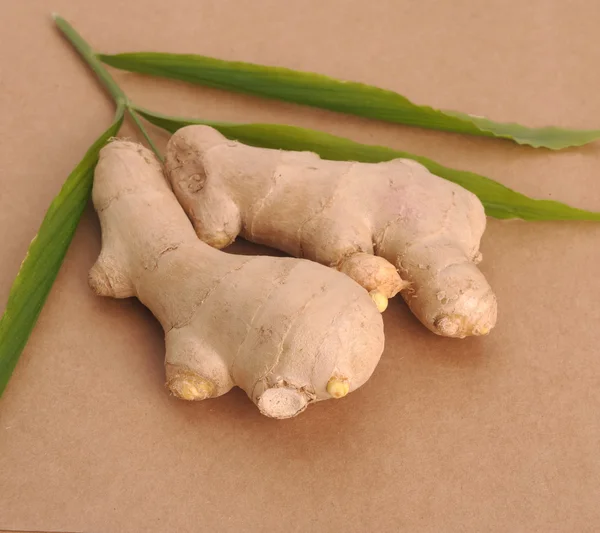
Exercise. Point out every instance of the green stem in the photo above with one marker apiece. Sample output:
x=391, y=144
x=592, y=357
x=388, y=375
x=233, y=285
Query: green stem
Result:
x=86, y=52
x=139, y=124
x=117, y=94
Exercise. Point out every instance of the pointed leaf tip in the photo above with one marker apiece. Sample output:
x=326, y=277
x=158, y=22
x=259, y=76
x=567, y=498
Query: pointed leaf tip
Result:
x=499, y=201
x=317, y=90
x=44, y=258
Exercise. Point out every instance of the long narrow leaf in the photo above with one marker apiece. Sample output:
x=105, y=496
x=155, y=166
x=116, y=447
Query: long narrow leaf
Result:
x=44, y=258
x=346, y=97
x=499, y=201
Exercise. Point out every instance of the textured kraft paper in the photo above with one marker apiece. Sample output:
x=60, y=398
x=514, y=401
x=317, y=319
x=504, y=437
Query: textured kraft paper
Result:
x=497, y=434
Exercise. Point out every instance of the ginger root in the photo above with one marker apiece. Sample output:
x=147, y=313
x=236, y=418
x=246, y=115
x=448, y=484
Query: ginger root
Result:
x=289, y=332
x=369, y=221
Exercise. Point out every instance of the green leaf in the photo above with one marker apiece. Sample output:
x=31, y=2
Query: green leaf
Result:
x=44, y=258
x=346, y=97
x=499, y=201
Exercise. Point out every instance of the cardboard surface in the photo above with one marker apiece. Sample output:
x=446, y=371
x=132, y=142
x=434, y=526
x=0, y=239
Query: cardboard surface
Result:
x=495, y=434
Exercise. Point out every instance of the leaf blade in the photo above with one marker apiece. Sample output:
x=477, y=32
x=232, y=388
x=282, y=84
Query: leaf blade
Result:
x=307, y=88
x=499, y=201
x=44, y=258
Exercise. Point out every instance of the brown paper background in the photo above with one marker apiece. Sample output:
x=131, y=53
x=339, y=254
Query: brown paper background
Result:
x=500, y=434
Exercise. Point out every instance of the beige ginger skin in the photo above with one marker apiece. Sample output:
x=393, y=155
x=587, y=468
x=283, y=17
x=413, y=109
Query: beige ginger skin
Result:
x=289, y=332
x=370, y=221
